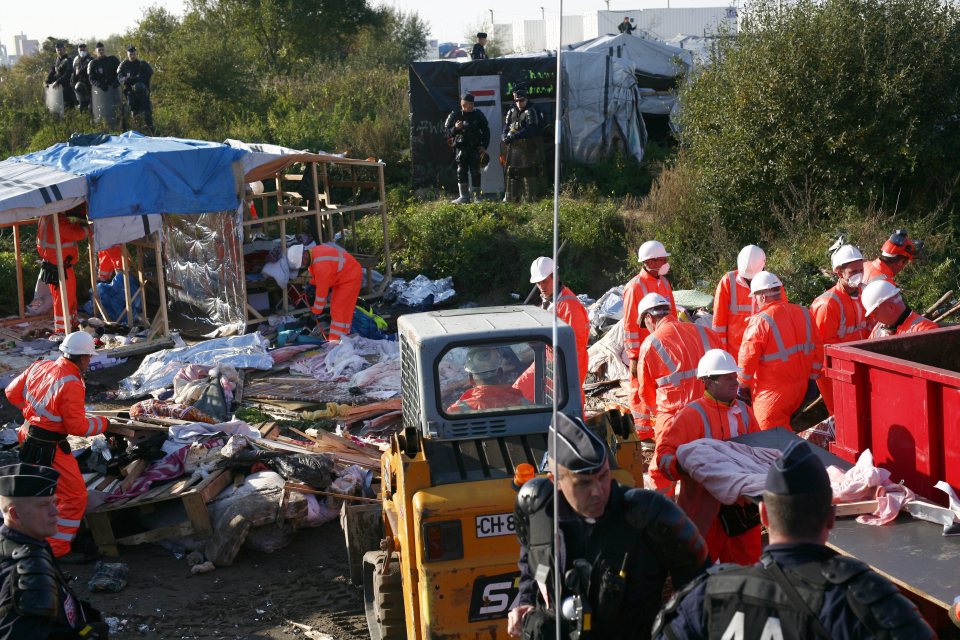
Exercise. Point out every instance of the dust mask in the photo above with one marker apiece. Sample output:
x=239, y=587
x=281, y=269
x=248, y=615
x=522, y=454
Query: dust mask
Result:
x=83, y=54
x=855, y=280
x=664, y=270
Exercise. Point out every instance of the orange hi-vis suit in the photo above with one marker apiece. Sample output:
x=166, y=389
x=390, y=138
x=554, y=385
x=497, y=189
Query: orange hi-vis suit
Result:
x=780, y=354
x=912, y=322
x=486, y=397
x=840, y=318
x=877, y=270
x=667, y=369
x=109, y=261
x=570, y=310
x=708, y=418
x=71, y=233
x=332, y=268
x=732, y=308
x=51, y=393
x=635, y=333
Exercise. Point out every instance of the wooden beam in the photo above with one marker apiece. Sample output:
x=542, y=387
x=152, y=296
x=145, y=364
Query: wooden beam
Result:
x=16, y=253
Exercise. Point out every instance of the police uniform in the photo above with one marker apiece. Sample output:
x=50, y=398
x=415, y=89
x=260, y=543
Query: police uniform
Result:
x=61, y=73
x=797, y=590
x=35, y=599
x=479, y=53
x=466, y=143
x=102, y=71
x=134, y=76
x=81, y=79
x=616, y=564
x=525, y=157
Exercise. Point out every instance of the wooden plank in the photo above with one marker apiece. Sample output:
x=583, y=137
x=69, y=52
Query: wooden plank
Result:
x=155, y=535
x=102, y=531
x=855, y=508
x=214, y=487
x=196, y=509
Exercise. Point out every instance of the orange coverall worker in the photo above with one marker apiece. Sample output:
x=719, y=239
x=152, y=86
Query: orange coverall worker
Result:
x=877, y=270
x=634, y=335
x=912, y=322
x=71, y=233
x=51, y=393
x=571, y=311
x=667, y=369
x=840, y=318
x=332, y=268
x=732, y=308
x=780, y=354
x=485, y=397
x=709, y=418
x=109, y=262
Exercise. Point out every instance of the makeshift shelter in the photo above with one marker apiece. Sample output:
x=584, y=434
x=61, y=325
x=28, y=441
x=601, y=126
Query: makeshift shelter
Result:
x=614, y=87
x=188, y=191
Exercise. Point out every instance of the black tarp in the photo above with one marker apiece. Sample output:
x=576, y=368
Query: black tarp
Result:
x=435, y=92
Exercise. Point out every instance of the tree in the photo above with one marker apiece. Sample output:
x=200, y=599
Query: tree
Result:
x=395, y=40
x=853, y=100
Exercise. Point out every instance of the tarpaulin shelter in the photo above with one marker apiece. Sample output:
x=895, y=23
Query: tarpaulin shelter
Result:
x=137, y=187
x=613, y=85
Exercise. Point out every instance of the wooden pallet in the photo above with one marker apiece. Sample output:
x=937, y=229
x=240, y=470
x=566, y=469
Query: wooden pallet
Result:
x=193, y=493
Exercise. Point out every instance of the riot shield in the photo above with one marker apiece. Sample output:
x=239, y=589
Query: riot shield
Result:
x=54, y=100
x=106, y=105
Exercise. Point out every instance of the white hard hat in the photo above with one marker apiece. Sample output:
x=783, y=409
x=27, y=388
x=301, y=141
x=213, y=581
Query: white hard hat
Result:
x=651, y=301
x=716, y=362
x=256, y=187
x=750, y=261
x=763, y=281
x=483, y=360
x=78, y=343
x=651, y=249
x=295, y=256
x=541, y=269
x=844, y=255
x=876, y=293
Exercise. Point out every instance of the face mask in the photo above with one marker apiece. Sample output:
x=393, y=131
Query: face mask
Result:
x=664, y=270
x=855, y=280
x=83, y=54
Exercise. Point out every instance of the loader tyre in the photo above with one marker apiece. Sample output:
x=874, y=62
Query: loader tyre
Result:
x=384, y=596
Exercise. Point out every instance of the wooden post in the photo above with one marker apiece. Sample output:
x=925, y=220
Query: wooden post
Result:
x=138, y=263
x=388, y=269
x=61, y=273
x=283, y=245
x=16, y=252
x=94, y=279
x=326, y=200
x=316, y=201
x=125, y=268
x=161, y=283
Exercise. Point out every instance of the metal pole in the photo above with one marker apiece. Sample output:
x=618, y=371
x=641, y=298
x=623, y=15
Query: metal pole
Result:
x=557, y=568
x=16, y=251
x=61, y=272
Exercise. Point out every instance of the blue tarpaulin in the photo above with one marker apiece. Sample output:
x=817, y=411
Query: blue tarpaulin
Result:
x=133, y=174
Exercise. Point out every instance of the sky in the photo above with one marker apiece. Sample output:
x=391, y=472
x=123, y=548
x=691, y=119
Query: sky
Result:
x=449, y=20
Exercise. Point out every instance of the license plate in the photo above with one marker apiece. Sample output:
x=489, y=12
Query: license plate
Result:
x=498, y=524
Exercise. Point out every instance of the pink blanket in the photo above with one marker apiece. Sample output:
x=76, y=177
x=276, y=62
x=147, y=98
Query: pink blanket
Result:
x=728, y=470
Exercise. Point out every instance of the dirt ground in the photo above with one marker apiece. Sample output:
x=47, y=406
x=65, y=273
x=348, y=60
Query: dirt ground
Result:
x=259, y=596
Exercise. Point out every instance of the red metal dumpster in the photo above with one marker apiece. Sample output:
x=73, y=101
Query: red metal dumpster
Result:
x=900, y=397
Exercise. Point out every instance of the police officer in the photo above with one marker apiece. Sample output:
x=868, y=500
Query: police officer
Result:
x=35, y=599
x=134, y=75
x=81, y=79
x=479, y=51
x=102, y=70
x=524, y=157
x=469, y=133
x=800, y=588
x=619, y=545
x=60, y=75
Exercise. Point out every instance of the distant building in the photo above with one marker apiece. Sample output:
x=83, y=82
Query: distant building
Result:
x=24, y=46
x=4, y=58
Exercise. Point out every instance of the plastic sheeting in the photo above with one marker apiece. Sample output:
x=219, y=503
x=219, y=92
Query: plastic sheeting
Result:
x=170, y=175
x=112, y=298
x=157, y=370
x=204, y=271
x=416, y=292
x=603, y=114
x=29, y=190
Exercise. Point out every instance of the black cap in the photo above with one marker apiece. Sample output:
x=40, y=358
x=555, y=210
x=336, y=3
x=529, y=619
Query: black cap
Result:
x=100, y=45
x=578, y=448
x=481, y=34
x=82, y=45
x=519, y=93
x=59, y=45
x=798, y=471
x=131, y=49
x=468, y=97
x=27, y=481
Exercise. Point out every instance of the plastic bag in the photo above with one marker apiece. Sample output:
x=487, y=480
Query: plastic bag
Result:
x=316, y=470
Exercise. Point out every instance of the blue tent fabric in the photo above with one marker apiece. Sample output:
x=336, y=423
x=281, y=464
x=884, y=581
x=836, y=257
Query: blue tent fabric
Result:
x=133, y=174
x=112, y=297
